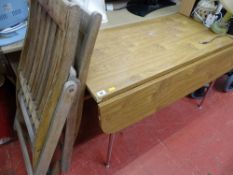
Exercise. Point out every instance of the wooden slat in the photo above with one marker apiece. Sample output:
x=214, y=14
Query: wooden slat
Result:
x=31, y=130
x=29, y=35
x=29, y=102
x=37, y=52
x=56, y=56
x=23, y=86
x=85, y=47
x=33, y=42
x=41, y=57
x=46, y=63
x=85, y=21
x=127, y=109
x=55, y=8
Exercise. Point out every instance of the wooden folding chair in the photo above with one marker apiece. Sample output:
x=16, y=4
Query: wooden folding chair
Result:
x=89, y=28
x=45, y=88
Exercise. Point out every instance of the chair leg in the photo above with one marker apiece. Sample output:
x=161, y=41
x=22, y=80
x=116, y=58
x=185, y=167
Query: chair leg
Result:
x=69, y=143
x=71, y=132
x=3, y=68
x=200, y=105
x=109, y=153
x=2, y=80
x=55, y=129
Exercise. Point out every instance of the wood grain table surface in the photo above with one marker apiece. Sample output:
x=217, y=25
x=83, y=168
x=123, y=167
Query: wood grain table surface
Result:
x=139, y=68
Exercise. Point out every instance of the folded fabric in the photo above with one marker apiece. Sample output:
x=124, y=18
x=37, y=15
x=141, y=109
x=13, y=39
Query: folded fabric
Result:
x=143, y=8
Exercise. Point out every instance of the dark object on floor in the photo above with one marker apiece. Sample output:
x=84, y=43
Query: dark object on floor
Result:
x=200, y=93
x=144, y=7
x=230, y=31
x=7, y=112
x=229, y=83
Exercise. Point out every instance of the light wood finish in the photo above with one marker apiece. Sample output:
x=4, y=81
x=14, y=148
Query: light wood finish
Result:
x=146, y=66
x=186, y=7
x=45, y=89
x=116, y=18
x=128, y=56
x=133, y=106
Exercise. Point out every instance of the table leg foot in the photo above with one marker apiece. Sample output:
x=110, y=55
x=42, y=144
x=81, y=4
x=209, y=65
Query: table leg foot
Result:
x=2, y=80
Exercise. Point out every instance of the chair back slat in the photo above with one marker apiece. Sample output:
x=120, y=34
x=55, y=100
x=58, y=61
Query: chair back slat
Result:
x=55, y=8
x=53, y=70
x=33, y=42
x=39, y=52
x=89, y=29
x=29, y=35
x=43, y=79
x=29, y=103
x=41, y=64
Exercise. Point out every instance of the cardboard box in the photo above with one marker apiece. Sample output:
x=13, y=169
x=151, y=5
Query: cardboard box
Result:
x=187, y=7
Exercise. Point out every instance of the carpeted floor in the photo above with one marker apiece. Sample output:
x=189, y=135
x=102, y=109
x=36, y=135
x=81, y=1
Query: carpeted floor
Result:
x=179, y=140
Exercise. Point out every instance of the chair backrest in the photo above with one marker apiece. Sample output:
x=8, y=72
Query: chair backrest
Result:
x=45, y=63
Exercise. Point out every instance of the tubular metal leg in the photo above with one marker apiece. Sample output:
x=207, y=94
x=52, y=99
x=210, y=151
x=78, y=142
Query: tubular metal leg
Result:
x=109, y=153
x=3, y=68
x=206, y=94
x=2, y=80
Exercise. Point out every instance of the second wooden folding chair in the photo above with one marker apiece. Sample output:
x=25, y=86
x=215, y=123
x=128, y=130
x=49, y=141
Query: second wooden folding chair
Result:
x=45, y=88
